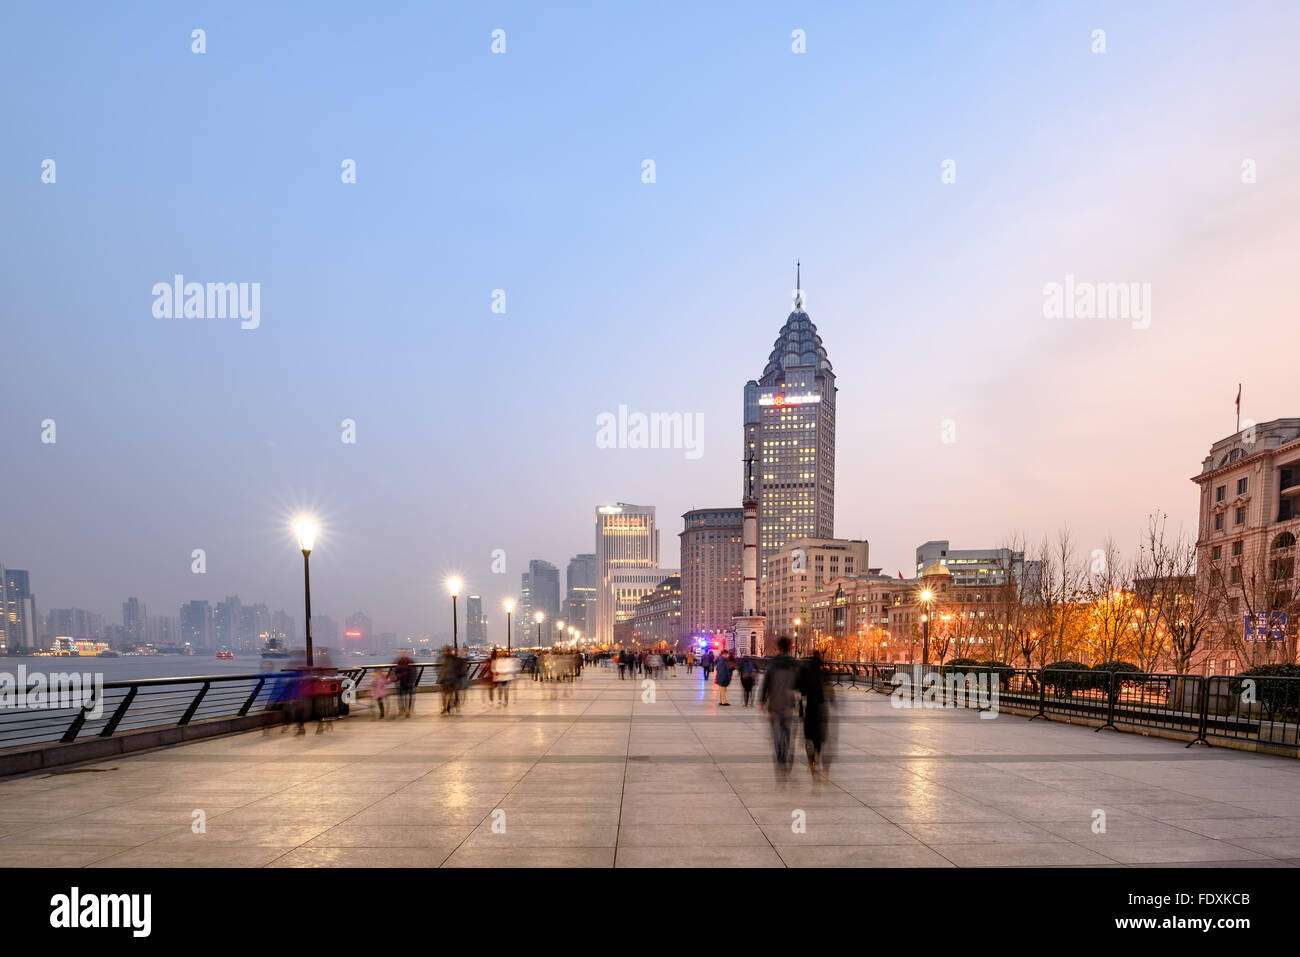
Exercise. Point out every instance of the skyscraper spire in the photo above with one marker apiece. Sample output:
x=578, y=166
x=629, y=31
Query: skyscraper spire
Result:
x=798, y=287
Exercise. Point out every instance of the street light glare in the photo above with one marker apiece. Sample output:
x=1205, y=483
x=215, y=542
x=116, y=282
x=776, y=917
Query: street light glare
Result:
x=926, y=595
x=539, y=617
x=453, y=586
x=306, y=530
x=510, y=606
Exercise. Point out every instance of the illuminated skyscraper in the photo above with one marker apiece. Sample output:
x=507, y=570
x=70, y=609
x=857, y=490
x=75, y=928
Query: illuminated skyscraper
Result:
x=626, y=540
x=790, y=437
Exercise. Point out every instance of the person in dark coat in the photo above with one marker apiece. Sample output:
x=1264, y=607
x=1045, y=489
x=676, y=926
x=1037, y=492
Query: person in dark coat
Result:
x=722, y=678
x=811, y=684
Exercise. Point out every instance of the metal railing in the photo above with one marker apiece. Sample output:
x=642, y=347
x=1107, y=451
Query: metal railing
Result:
x=1258, y=709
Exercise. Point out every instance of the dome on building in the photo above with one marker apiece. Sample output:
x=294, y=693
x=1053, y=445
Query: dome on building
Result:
x=937, y=569
x=798, y=345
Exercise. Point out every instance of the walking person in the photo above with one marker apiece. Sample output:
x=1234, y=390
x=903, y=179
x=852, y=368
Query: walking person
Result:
x=380, y=686
x=690, y=661
x=405, y=674
x=505, y=668
x=811, y=683
x=778, y=699
x=748, y=672
x=448, y=679
x=723, y=678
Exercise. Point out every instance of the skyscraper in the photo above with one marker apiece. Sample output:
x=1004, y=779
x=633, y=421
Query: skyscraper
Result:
x=626, y=540
x=17, y=610
x=711, y=569
x=544, y=581
x=790, y=437
x=134, y=621
x=580, y=594
x=196, y=625
x=475, y=626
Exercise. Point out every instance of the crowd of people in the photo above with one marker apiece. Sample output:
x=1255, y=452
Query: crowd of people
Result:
x=784, y=688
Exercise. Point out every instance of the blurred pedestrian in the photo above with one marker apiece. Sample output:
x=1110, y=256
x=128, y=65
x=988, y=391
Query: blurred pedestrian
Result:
x=748, y=672
x=723, y=678
x=778, y=699
x=380, y=686
x=816, y=718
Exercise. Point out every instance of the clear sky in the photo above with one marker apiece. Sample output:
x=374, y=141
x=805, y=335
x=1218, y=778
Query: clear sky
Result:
x=523, y=172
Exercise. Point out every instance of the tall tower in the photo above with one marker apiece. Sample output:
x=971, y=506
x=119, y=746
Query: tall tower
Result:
x=626, y=540
x=790, y=435
x=748, y=626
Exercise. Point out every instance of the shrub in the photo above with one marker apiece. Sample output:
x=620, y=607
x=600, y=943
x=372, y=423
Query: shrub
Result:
x=1067, y=677
x=1275, y=689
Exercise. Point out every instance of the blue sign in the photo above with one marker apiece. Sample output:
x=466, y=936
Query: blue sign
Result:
x=1265, y=626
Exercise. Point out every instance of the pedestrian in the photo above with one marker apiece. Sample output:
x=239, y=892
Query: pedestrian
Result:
x=505, y=668
x=405, y=673
x=723, y=678
x=748, y=672
x=380, y=686
x=448, y=679
x=811, y=683
x=778, y=700
x=690, y=661
x=489, y=679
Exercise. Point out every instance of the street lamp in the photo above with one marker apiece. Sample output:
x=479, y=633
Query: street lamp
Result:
x=510, y=607
x=559, y=626
x=453, y=586
x=306, y=539
x=926, y=597
x=797, y=623
x=539, y=618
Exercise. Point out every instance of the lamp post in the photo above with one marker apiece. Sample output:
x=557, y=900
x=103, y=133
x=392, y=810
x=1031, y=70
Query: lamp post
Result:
x=797, y=623
x=539, y=618
x=559, y=626
x=926, y=598
x=453, y=586
x=306, y=539
x=510, y=607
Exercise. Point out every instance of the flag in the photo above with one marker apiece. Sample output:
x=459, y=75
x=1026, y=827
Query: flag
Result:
x=1239, y=398
x=900, y=576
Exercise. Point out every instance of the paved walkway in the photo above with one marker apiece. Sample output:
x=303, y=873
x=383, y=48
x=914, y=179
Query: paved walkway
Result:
x=595, y=777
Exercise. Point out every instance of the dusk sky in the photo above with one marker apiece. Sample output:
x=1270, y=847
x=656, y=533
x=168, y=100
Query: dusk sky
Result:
x=522, y=172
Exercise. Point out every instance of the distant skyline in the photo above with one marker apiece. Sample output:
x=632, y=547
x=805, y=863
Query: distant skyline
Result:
x=476, y=430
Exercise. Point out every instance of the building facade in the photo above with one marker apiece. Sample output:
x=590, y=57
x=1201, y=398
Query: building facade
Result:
x=18, y=621
x=581, y=584
x=544, y=589
x=789, y=438
x=1248, y=525
x=711, y=552
x=475, y=623
x=657, y=620
x=797, y=572
x=627, y=545
x=978, y=566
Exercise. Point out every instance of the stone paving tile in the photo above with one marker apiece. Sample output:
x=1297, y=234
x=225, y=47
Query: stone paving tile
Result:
x=589, y=776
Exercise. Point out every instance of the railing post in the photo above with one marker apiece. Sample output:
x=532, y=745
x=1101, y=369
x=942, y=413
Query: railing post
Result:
x=74, y=729
x=1205, y=715
x=252, y=697
x=1112, y=692
x=119, y=713
x=194, y=705
x=1042, y=698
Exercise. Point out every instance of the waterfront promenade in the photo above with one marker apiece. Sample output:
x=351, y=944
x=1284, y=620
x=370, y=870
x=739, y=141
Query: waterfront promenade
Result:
x=590, y=775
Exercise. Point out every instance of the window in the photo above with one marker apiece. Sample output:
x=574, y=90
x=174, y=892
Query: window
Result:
x=1234, y=575
x=1216, y=553
x=1239, y=517
x=1236, y=548
x=1221, y=493
x=1218, y=522
x=1242, y=486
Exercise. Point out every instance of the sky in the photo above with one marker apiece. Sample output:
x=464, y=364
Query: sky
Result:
x=524, y=172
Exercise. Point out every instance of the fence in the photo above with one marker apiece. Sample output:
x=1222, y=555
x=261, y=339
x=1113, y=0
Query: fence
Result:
x=1261, y=710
